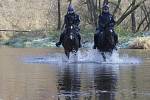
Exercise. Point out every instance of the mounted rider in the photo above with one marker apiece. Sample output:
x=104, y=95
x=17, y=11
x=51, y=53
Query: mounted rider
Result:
x=106, y=20
x=71, y=19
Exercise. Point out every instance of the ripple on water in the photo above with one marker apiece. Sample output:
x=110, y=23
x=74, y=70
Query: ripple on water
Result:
x=87, y=56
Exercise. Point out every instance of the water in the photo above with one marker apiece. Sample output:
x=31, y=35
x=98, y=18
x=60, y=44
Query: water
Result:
x=45, y=74
x=86, y=56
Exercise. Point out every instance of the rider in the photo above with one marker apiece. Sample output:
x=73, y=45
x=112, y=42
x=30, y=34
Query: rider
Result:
x=71, y=19
x=106, y=20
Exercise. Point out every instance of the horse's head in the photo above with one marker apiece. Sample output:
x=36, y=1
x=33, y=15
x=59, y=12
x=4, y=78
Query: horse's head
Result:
x=105, y=40
x=71, y=42
x=71, y=36
x=71, y=32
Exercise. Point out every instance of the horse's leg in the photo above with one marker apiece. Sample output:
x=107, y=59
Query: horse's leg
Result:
x=110, y=53
x=103, y=55
x=67, y=54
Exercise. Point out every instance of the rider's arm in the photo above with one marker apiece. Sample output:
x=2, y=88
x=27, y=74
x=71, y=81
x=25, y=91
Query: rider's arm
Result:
x=64, y=24
x=112, y=21
x=65, y=20
x=77, y=20
x=100, y=22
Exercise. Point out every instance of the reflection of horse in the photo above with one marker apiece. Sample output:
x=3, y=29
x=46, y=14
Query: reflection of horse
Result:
x=105, y=79
x=69, y=82
x=70, y=41
x=106, y=42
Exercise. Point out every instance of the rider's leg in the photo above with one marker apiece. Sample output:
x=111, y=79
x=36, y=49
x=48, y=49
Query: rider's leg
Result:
x=61, y=39
x=77, y=29
x=116, y=38
x=79, y=37
x=95, y=40
x=114, y=34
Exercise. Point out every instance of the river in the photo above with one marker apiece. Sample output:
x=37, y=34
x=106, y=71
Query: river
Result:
x=45, y=74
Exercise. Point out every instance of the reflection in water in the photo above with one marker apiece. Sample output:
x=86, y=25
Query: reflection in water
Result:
x=99, y=83
x=105, y=82
x=133, y=82
x=69, y=82
x=41, y=79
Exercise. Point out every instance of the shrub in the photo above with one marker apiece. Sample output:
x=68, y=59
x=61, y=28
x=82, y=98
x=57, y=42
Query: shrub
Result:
x=140, y=43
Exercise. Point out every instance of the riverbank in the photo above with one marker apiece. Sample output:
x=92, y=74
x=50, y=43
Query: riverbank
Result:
x=132, y=41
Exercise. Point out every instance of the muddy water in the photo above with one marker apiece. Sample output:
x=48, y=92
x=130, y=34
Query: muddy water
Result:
x=42, y=74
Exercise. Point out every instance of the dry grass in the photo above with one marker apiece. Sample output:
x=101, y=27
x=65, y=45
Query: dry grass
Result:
x=4, y=37
x=140, y=43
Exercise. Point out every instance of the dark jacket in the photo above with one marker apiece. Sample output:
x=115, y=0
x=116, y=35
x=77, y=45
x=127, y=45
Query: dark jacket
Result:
x=71, y=19
x=106, y=20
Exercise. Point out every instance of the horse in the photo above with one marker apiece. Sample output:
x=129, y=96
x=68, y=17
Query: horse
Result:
x=70, y=41
x=106, y=42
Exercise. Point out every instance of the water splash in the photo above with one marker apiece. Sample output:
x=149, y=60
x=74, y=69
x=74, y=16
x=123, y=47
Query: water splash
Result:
x=86, y=56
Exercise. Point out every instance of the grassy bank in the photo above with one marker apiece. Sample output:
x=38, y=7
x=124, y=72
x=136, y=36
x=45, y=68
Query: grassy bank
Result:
x=49, y=38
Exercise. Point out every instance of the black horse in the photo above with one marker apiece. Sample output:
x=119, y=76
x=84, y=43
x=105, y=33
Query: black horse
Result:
x=70, y=41
x=106, y=42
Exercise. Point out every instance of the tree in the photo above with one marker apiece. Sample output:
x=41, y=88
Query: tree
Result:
x=70, y=1
x=59, y=16
x=92, y=9
x=133, y=20
x=128, y=11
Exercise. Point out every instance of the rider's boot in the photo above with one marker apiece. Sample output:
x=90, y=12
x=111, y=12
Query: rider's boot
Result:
x=94, y=47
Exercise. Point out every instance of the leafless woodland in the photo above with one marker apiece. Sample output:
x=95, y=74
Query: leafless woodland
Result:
x=131, y=15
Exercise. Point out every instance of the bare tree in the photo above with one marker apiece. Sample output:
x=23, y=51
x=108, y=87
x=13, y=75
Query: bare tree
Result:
x=59, y=16
x=133, y=20
x=92, y=8
x=99, y=3
x=117, y=7
x=70, y=1
x=129, y=10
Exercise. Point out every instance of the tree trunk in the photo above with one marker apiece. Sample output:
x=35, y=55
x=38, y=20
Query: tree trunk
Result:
x=100, y=7
x=59, y=16
x=92, y=9
x=70, y=1
x=117, y=7
x=133, y=20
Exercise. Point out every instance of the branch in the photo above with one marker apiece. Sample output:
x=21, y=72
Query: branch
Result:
x=138, y=28
x=129, y=12
x=115, y=11
x=14, y=30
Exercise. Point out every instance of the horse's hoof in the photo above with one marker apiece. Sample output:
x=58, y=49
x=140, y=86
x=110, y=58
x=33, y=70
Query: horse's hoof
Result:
x=80, y=46
x=116, y=48
x=94, y=47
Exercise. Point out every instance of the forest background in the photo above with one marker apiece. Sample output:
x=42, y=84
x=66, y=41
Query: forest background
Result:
x=38, y=23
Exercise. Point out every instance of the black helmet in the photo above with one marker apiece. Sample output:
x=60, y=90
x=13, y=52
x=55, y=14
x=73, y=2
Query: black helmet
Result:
x=105, y=8
x=70, y=9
